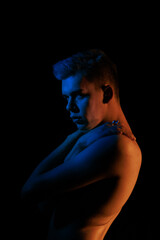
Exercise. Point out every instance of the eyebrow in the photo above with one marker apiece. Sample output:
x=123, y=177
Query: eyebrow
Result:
x=74, y=93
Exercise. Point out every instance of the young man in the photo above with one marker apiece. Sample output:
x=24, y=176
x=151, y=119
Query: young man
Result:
x=91, y=175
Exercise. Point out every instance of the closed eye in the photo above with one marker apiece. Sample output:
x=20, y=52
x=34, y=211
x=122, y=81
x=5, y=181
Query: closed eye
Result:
x=81, y=95
x=75, y=96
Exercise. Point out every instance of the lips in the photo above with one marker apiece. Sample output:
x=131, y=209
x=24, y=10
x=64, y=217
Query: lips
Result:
x=77, y=120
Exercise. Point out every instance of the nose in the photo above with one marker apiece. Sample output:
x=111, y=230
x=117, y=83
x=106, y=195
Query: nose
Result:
x=71, y=106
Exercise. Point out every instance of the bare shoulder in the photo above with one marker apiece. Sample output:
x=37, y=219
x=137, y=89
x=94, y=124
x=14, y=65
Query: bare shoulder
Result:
x=123, y=146
x=128, y=147
x=128, y=156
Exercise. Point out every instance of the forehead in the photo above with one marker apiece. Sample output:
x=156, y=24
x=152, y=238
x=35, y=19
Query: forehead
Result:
x=75, y=83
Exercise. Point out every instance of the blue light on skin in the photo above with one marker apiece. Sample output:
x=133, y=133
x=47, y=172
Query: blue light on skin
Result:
x=84, y=101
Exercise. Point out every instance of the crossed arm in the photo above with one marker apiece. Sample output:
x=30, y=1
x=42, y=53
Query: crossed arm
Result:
x=112, y=156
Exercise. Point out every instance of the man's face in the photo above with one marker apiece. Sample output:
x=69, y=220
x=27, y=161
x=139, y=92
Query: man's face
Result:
x=84, y=101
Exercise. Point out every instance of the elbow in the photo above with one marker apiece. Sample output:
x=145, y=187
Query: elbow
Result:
x=31, y=191
x=25, y=191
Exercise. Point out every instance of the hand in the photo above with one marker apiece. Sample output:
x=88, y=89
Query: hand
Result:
x=76, y=135
x=104, y=130
x=85, y=138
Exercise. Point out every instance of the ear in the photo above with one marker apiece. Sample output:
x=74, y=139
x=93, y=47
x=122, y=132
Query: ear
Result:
x=107, y=93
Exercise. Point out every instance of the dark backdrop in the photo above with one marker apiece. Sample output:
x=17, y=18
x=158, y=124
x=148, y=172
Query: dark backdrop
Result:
x=38, y=121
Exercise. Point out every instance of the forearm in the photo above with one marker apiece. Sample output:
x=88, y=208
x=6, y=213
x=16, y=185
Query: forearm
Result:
x=57, y=156
x=52, y=161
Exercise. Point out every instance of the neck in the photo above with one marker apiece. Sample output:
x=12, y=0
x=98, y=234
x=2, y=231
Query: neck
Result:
x=116, y=113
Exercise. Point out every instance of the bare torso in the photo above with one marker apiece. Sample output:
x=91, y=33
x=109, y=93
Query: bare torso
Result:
x=82, y=214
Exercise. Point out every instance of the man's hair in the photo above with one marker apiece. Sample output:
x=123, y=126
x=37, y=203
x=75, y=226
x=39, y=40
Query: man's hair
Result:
x=96, y=66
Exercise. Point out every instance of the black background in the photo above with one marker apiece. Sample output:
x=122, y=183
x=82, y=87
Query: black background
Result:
x=36, y=118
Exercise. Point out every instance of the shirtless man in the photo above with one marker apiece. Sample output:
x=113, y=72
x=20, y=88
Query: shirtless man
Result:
x=90, y=176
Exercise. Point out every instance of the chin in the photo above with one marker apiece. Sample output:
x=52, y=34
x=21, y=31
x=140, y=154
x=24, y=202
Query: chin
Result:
x=86, y=126
x=82, y=127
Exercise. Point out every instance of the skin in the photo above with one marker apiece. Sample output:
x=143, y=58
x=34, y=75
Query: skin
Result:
x=93, y=172
x=85, y=103
x=88, y=104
